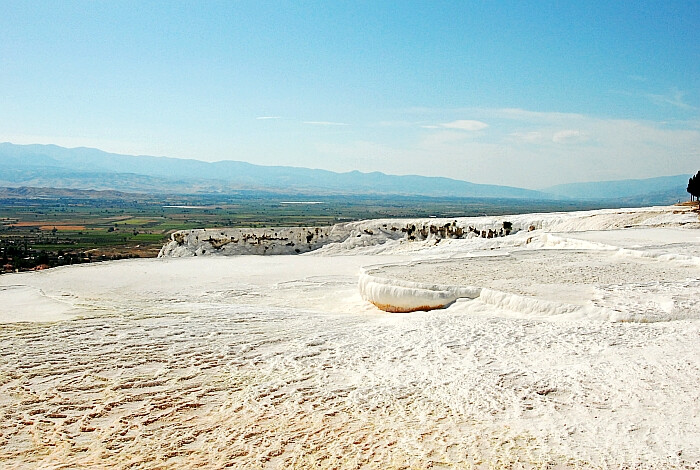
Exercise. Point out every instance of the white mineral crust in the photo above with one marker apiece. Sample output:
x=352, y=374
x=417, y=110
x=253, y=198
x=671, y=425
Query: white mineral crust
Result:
x=571, y=342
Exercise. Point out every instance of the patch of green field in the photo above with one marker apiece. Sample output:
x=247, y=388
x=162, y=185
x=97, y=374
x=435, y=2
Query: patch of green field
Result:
x=138, y=221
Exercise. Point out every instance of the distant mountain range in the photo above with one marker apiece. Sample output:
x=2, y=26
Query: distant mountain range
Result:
x=93, y=169
x=669, y=187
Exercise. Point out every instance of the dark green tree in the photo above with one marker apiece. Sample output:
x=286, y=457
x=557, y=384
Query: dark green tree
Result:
x=694, y=186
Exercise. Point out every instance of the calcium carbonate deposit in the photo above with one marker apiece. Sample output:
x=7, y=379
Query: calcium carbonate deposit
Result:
x=566, y=340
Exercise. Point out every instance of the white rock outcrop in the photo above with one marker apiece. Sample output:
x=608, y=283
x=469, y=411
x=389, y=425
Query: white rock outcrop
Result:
x=295, y=240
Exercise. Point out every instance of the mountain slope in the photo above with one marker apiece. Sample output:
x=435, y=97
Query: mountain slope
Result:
x=87, y=168
x=51, y=165
x=670, y=188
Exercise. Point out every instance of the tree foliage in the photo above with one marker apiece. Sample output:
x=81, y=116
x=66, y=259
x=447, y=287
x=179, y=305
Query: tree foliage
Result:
x=694, y=186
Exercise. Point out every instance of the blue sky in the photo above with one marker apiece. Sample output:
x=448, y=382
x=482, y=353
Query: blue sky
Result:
x=519, y=93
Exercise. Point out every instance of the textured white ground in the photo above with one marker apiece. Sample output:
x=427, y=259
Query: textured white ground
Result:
x=277, y=361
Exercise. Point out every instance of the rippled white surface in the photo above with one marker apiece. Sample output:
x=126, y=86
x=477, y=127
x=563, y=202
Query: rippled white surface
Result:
x=276, y=362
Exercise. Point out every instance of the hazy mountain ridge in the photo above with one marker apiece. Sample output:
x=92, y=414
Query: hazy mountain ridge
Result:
x=28, y=192
x=662, y=186
x=36, y=165
x=92, y=169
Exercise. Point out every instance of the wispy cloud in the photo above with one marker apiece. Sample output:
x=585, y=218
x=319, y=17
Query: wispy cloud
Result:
x=325, y=123
x=261, y=118
x=569, y=136
x=518, y=114
x=445, y=137
x=675, y=97
x=465, y=125
x=528, y=137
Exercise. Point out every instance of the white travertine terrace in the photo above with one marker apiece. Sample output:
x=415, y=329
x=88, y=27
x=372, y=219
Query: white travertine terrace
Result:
x=573, y=345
